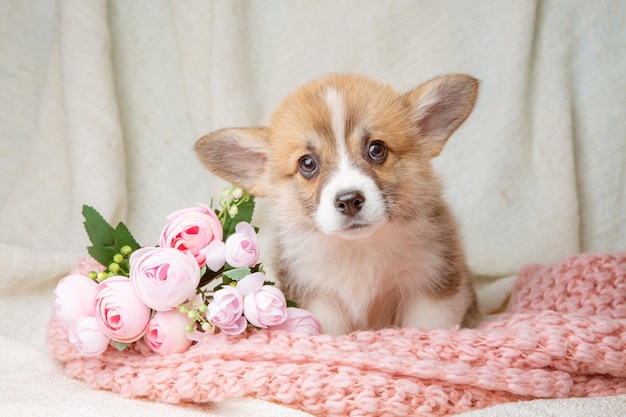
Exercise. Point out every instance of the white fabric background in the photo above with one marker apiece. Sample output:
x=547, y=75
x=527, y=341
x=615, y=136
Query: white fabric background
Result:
x=101, y=103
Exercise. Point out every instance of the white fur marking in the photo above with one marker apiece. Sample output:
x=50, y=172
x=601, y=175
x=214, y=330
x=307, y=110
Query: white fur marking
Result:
x=347, y=178
x=331, y=221
x=338, y=114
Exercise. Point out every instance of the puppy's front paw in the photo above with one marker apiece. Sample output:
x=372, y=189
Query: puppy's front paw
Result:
x=333, y=319
x=428, y=314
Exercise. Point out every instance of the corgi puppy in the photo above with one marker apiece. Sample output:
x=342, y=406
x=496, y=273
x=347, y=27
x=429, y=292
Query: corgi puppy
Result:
x=362, y=236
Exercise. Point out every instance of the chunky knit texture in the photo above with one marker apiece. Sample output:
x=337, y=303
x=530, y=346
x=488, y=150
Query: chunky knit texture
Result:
x=564, y=335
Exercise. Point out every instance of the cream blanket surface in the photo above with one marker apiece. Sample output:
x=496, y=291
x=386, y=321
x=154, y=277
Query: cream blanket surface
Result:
x=101, y=103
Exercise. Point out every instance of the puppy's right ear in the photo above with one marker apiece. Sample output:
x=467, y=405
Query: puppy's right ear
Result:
x=237, y=155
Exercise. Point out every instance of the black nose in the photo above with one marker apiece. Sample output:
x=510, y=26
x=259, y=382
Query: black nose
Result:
x=350, y=202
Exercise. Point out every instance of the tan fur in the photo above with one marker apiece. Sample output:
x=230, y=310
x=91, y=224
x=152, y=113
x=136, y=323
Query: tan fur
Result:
x=409, y=268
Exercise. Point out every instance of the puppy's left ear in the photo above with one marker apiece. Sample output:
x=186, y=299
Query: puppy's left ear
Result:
x=440, y=106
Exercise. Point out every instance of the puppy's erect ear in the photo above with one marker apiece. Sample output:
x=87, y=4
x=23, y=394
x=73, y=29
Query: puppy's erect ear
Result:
x=440, y=106
x=237, y=155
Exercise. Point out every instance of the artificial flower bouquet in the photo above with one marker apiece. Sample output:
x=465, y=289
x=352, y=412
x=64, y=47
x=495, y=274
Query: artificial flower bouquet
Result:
x=203, y=280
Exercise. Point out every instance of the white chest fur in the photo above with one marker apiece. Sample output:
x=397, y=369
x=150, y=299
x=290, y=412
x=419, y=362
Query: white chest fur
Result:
x=340, y=280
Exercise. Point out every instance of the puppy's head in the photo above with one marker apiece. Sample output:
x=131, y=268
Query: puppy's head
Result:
x=344, y=154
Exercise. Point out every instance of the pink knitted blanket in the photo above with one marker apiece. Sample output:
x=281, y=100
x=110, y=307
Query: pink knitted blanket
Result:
x=564, y=335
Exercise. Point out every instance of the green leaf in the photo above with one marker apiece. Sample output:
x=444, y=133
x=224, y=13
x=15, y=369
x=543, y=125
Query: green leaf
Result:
x=100, y=232
x=120, y=346
x=123, y=237
x=237, y=274
x=244, y=214
x=246, y=210
x=291, y=303
x=106, y=241
x=102, y=254
x=228, y=226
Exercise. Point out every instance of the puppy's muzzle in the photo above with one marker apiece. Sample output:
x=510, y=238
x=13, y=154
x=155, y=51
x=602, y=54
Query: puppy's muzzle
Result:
x=349, y=203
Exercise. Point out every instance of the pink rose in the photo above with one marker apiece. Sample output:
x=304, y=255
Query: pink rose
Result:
x=191, y=230
x=215, y=255
x=226, y=311
x=120, y=312
x=163, y=277
x=266, y=307
x=242, y=247
x=73, y=298
x=263, y=305
x=166, y=332
x=86, y=335
x=300, y=321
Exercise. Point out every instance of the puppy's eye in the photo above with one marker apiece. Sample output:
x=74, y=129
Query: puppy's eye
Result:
x=377, y=151
x=307, y=166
